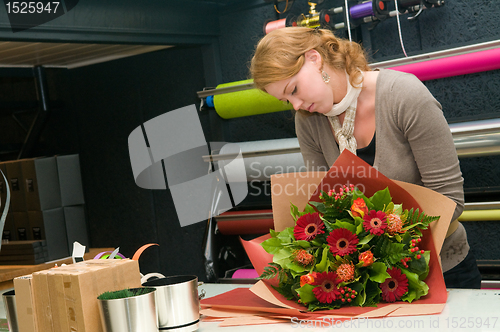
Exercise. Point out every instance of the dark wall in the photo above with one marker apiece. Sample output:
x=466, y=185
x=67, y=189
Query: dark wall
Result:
x=103, y=104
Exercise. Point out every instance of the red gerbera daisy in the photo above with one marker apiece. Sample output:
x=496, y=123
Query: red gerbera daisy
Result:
x=375, y=222
x=342, y=241
x=308, y=226
x=327, y=290
x=395, y=287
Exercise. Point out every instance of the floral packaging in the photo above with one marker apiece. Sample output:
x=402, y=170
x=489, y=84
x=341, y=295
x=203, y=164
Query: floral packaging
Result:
x=349, y=172
x=298, y=189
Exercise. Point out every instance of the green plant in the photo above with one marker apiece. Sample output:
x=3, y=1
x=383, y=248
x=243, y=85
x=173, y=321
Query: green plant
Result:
x=124, y=293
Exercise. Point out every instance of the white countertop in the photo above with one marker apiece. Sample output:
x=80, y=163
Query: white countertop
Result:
x=466, y=310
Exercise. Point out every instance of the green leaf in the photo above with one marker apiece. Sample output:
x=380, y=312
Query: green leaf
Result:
x=372, y=293
x=286, y=235
x=325, y=262
x=316, y=243
x=366, y=239
x=309, y=209
x=295, y=268
x=306, y=293
x=419, y=266
x=270, y=271
x=417, y=219
x=345, y=224
x=381, y=199
x=282, y=256
x=389, y=207
x=359, y=300
x=378, y=272
x=395, y=252
x=303, y=244
x=359, y=225
x=272, y=245
x=294, y=211
x=416, y=287
x=398, y=209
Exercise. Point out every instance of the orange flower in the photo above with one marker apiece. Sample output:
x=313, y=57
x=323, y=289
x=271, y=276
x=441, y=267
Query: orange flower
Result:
x=359, y=208
x=394, y=224
x=366, y=257
x=302, y=257
x=345, y=272
x=307, y=279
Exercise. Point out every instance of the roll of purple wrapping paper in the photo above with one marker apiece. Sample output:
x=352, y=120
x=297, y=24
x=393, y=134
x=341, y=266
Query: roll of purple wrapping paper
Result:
x=362, y=10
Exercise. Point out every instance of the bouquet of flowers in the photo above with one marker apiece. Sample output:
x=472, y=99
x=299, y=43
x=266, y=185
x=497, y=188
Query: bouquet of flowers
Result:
x=350, y=250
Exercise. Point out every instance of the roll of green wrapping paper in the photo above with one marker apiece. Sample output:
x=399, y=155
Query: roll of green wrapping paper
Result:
x=480, y=215
x=247, y=102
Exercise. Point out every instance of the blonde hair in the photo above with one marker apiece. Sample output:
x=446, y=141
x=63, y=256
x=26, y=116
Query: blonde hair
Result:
x=280, y=55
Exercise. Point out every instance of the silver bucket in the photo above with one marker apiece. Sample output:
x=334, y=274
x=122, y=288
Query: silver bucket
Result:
x=9, y=301
x=130, y=314
x=177, y=302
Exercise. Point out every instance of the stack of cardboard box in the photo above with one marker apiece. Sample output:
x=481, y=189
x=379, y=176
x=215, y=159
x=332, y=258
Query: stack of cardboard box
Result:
x=24, y=252
x=47, y=203
x=65, y=298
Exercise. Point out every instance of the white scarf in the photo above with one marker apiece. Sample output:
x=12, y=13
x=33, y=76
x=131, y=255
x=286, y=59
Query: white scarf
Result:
x=344, y=133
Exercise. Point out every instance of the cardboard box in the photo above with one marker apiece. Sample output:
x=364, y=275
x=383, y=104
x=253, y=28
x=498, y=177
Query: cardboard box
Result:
x=9, y=229
x=41, y=183
x=65, y=298
x=76, y=225
x=21, y=225
x=14, y=178
x=70, y=180
x=23, y=252
x=50, y=226
x=26, y=318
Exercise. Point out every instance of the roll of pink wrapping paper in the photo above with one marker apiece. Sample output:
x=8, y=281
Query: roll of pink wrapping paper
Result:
x=455, y=65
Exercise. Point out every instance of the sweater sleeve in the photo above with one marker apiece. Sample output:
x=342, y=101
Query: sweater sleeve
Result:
x=310, y=149
x=420, y=118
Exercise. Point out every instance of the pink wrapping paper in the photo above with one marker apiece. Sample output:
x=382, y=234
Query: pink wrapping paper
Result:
x=453, y=66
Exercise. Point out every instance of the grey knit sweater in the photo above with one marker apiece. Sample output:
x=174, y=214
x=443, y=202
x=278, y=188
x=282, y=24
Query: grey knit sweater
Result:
x=413, y=144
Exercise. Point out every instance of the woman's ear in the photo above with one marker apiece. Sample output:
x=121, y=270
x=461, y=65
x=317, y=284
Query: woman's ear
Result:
x=314, y=57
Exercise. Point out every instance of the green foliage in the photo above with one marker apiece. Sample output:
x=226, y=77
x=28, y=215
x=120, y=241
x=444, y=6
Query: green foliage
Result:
x=417, y=221
x=416, y=287
x=306, y=294
x=378, y=272
x=388, y=249
x=273, y=270
x=125, y=293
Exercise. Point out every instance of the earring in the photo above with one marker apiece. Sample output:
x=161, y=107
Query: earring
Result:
x=325, y=76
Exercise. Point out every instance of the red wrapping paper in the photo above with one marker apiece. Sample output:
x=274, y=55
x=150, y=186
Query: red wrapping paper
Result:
x=348, y=169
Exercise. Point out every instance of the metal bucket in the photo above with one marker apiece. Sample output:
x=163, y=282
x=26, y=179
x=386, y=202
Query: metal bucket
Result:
x=177, y=302
x=130, y=314
x=9, y=301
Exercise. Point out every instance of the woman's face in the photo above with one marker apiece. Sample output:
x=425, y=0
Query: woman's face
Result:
x=307, y=90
